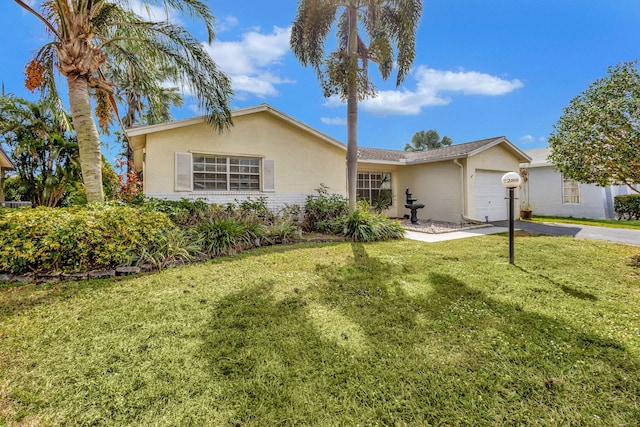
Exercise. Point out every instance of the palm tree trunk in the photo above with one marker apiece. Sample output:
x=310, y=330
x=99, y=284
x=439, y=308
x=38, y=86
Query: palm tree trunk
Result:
x=352, y=112
x=88, y=139
x=352, y=146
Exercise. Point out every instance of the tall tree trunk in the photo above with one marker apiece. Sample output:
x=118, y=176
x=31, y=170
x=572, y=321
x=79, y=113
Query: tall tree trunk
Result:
x=352, y=111
x=88, y=139
x=352, y=145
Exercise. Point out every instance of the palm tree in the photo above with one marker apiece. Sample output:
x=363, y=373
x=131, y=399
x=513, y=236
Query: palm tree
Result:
x=427, y=140
x=146, y=98
x=88, y=33
x=345, y=71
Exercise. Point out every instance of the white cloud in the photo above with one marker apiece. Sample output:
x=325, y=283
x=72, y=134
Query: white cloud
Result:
x=335, y=121
x=432, y=88
x=155, y=13
x=225, y=24
x=527, y=139
x=248, y=61
x=530, y=139
x=467, y=82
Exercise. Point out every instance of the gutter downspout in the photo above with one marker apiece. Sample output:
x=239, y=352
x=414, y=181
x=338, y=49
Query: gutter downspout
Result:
x=463, y=191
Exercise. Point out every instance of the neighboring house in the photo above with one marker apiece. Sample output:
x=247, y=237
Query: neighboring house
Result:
x=551, y=194
x=5, y=164
x=270, y=154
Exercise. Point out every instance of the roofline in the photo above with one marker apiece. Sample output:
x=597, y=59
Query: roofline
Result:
x=383, y=162
x=538, y=163
x=7, y=160
x=145, y=130
x=409, y=161
x=500, y=140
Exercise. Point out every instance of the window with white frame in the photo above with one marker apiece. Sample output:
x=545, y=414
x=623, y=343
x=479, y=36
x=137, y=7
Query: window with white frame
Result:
x=570, y=191
x=374, y=185
x=217, y=173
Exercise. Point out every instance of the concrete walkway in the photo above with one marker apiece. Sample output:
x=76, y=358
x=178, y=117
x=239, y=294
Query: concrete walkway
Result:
x=441, y=237
x=617, y=235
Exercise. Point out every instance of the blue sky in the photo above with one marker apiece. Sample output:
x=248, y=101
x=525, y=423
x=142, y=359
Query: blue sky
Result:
x=483, y=68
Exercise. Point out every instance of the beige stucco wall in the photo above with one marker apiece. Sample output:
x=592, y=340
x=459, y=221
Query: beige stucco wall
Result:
x=497, y=158
x=436, y=185
x=302, y=161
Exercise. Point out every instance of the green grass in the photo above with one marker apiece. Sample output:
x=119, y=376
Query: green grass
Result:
x=394, y=333
x=611, y=223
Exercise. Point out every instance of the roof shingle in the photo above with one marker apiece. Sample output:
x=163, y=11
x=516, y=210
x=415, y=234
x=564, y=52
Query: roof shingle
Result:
x=456, y=151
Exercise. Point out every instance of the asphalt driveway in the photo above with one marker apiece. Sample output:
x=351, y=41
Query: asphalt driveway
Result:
x=618, y=235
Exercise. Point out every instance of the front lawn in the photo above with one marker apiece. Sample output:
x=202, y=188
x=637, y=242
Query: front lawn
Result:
x=393, y=333
x=633, y=224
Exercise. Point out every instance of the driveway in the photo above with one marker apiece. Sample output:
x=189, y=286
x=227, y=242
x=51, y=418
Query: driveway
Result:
x=617, y=235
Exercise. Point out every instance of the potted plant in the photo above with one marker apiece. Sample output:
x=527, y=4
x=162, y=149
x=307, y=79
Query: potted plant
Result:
x=525, y=206
x=525, y=210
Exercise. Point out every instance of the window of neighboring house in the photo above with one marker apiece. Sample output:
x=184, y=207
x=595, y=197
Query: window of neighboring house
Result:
x=374, y=185
x=570, y=191
x=225, y=173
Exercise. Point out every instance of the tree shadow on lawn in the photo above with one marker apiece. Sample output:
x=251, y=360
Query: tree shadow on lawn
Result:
x=564, y=288
x=451, y=355
x=16, y=298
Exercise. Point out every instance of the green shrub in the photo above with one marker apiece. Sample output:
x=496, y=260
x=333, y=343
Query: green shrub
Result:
x=78, y=238
x=254, y=210
x=325, y=213
x=291, y=213
x=224, y=236
x=365, y=226
x=175, y=246
x=627, y=206
x=184, y=212
x=283, y=231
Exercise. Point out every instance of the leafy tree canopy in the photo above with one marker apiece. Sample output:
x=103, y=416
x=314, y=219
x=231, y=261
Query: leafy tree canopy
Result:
x=100, y=45
x=597, y=140
x=43, y=148
x=427, y=140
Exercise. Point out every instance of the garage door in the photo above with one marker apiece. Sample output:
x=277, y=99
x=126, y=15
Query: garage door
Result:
x=491, y=196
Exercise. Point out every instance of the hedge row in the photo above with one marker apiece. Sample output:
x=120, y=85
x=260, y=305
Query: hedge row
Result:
x=77, y=238
x=160, y=233
x=627, y=206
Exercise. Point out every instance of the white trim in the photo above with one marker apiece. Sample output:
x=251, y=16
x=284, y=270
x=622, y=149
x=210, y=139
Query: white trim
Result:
x=563, y=180
x=225, y=154
x=268, y=175
x=183, y=178
x=145, y=130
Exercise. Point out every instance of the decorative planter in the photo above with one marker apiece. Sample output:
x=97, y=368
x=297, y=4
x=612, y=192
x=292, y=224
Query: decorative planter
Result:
x=525, y=214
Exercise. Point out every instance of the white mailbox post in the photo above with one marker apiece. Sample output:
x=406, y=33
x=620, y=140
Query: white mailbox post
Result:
x=511, y=180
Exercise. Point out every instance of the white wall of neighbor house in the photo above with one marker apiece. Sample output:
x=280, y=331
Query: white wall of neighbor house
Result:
x=302, y=161
x=545, y=194
x=435, y=185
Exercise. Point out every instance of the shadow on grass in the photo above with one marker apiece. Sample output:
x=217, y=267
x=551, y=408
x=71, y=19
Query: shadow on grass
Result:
x=564, y=288
x=444, y=353
x=15, y=299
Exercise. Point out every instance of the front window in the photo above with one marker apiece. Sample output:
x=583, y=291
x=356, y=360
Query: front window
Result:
x=216, y=173
x=570, y=191
x=373, y=186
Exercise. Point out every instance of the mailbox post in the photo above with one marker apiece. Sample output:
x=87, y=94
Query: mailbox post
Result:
x=511, y=180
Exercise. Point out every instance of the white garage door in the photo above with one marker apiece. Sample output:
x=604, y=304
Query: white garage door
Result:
x=491, y=196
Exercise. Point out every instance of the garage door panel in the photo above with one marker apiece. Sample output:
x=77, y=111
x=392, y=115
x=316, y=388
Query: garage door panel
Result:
x=491, y=196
